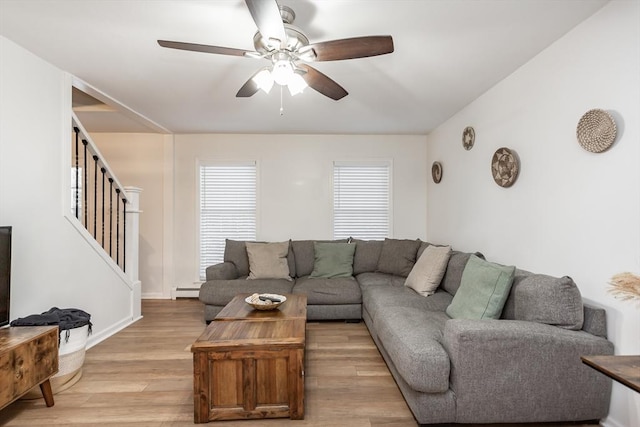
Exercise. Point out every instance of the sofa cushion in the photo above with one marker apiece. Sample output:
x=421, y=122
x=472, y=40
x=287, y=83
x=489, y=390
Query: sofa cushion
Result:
x=455, y=268
x=268, y=260
x=412, y=339
x=483, y=291
x=338, y=290
x=545, y=299
x=221, y=292
x=376, y=297
x=398, y=256
x=304, y=255
x=235, y=251
x=426, y=274
x=333, y=259
x=367, y=254
x=379, y=279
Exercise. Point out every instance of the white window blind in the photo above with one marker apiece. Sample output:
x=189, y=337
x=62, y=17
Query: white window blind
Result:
x=227, y=209
x=361, y=200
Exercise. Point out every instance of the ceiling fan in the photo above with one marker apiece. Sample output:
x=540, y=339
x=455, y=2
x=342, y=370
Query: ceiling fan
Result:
x=287, y=47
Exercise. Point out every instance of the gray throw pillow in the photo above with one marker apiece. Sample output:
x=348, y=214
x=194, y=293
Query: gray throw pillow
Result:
x=398, y=256
x=333, y=260
x=484, y=289
x=367, y=254
x=268, y=260
x=426, y=275
x=235, y=251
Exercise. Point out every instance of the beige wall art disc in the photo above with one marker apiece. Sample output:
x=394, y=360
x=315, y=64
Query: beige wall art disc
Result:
x=596, y=131
x=505, y=167
x=468, y=138
x=436, y=172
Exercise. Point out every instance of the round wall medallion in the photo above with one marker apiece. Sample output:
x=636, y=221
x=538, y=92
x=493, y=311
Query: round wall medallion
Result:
x=596, y=131
x=436, y=172
x=468, y=138
x=504, y=167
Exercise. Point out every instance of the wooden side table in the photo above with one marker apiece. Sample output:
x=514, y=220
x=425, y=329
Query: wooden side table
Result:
x=624, y=369
x=28, y=357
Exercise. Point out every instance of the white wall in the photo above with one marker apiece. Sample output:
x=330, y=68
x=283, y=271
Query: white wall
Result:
x=571, y=212
x=295, y=172
x=138, y=160
x=52, y=264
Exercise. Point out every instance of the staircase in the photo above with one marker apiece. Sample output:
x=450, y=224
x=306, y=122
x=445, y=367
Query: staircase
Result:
x=104, y=211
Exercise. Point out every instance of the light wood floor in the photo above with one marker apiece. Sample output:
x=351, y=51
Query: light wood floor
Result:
x=142, y=376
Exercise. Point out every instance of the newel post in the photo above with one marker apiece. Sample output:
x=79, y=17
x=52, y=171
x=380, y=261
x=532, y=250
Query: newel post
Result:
x=132, y=247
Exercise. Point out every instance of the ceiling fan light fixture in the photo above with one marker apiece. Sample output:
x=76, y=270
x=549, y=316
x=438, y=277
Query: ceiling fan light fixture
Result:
x=264, y=80
x=296, y=84
x=282, y=72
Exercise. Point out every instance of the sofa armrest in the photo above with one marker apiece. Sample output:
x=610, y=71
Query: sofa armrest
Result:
x=529, y=370
x=595, y=320
x=222, y=271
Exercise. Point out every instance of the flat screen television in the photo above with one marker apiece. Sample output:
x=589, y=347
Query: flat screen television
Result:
x=5, y=274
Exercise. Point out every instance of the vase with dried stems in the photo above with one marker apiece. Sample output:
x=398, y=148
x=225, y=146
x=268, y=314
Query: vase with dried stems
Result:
x=625, y=286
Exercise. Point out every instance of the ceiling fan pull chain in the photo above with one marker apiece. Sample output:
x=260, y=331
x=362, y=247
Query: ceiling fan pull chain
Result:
x=281, y=107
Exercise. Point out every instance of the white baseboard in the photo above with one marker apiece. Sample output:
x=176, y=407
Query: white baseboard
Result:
x=155, y=295
x=184, y=293
x=98, y=338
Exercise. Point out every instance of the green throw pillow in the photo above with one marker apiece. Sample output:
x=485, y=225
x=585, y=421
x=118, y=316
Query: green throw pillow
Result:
x=333, y=260
x=484, y=288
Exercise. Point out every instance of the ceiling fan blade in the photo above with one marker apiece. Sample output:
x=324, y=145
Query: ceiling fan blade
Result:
x=266, y=15
x=323, y=84
x=206, y=48
x=249, y=88
x=357, y=47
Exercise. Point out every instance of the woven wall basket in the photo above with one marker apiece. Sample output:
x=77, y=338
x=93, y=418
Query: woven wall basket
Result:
x=596, y=131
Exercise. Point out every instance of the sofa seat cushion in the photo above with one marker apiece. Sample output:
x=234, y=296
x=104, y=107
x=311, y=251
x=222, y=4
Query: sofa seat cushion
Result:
x=379, y=279
x=221, y=292
x=334, y=291
x=374, y=298
x=412, y=338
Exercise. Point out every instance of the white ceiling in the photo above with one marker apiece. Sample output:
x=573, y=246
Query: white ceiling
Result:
x=447, y=53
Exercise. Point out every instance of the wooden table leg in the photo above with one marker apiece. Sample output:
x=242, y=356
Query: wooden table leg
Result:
x=45, y=387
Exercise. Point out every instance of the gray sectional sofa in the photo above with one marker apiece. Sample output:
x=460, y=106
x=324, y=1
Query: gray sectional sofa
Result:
x=521, y=367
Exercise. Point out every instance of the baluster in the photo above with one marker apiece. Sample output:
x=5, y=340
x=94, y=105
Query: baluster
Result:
x=85, y=206
x=118, y=226
x=95, y=196
x=110, y=214
x=77, y=131
x=103, y=170
x=124, y=235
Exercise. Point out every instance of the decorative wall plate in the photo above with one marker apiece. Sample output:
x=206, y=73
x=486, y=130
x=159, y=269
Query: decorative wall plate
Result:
x=505, y=167
x=596, y=131
x=468, y=138
x=436, y=172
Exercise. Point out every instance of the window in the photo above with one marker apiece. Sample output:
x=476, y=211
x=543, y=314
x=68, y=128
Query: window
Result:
x=361, y=200
x=227, y=208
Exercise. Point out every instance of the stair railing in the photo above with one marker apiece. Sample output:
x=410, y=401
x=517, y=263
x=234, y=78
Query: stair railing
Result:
x=98, y=200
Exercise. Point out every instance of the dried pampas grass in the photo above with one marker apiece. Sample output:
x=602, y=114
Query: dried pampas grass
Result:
x=625, y=286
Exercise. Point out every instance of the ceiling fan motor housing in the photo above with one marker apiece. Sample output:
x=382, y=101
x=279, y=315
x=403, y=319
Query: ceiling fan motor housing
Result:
x=295, y=37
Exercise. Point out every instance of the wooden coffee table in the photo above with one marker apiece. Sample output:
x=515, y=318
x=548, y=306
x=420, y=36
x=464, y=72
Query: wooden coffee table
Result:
x=295, y=307
x=249, y=364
